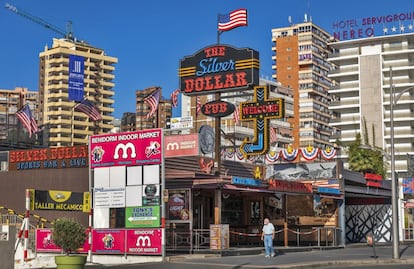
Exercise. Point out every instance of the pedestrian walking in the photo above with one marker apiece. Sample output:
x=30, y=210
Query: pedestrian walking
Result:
x=268, y=235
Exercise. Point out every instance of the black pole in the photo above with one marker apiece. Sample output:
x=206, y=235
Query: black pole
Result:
x=218, y=31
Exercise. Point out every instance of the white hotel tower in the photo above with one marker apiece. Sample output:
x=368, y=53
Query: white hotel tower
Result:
x=363, y=89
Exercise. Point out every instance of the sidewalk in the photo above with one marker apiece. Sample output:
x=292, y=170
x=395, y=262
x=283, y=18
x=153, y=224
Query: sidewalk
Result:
x=352, y=254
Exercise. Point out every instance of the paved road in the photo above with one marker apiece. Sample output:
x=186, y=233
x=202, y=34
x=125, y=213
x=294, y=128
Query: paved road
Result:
x=354, y=256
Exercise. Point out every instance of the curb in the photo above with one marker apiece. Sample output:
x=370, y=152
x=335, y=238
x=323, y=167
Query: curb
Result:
x=337, y=263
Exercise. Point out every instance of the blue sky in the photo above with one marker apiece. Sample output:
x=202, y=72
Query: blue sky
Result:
x=150, y=37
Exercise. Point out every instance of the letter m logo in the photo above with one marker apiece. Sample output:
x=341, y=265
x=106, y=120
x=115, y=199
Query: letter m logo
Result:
x=143, y=241
x=124, y=149
x=173, y=146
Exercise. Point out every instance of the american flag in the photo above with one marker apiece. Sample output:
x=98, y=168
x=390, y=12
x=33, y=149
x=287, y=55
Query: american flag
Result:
x=174, y=97
x=273, y=135
x=232, y=20
x=198, y=109
x=89, y=109
x=152, y=101
x=408, y=185
x=26, y=118
x=236, y=115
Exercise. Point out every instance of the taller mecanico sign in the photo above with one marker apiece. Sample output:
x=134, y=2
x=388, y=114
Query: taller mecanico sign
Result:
x=219, y=68
x=126, y=149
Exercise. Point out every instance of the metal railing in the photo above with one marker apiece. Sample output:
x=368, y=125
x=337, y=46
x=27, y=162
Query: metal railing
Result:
x=408, y=234
x=200, y=238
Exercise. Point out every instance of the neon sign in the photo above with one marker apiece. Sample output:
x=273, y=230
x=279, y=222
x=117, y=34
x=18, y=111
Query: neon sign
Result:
x=261, y=110
x=219, y=68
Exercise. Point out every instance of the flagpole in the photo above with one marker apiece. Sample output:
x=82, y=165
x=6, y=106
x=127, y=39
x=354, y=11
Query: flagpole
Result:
x=71, y=125
x=218, y=31
x=196, y=114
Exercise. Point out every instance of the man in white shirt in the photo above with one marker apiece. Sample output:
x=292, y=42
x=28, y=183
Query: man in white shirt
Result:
x=268, y=235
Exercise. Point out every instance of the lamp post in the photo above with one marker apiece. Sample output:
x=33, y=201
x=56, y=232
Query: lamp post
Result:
x=394, y=197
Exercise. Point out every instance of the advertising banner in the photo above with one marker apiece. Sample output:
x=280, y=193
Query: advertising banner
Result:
x=126, y=149
x=142, y=217
x=108, y=241
x=178, y=205
x=181, y=145
x=144, y=241
x=44, y=242
x=180, y=123
x=76, y=78
x=60, y=200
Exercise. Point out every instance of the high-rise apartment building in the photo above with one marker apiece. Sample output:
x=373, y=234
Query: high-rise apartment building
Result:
x=300, y=63
x=10, y=102
x=160, y=118
x=366, y=69
x=56, y=113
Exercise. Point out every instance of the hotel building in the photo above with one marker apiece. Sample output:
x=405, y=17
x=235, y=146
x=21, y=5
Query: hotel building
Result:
x=366, y=70
x=300, y=63
x=56, y=113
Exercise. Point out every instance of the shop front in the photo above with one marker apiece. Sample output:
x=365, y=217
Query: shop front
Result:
x=303, y=212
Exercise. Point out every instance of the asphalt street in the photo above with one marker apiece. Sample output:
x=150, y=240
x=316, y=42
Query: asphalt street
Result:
x=351, y=256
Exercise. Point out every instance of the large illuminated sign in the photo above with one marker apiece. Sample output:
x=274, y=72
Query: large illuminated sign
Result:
x=261, y=110
x=373, y=26
x=217, y=109
x=219, y=68
x=126, y=149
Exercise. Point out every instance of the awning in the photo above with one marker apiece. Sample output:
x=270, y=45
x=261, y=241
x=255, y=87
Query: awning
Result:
x=245, y=188
x=408, y=205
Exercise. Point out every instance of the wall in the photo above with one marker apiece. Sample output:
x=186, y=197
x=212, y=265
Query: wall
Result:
x=360, y=220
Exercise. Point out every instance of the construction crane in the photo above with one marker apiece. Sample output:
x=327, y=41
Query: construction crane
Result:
x=66, y=34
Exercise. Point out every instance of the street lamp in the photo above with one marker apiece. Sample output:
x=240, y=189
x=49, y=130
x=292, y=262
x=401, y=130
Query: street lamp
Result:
x=395, y=234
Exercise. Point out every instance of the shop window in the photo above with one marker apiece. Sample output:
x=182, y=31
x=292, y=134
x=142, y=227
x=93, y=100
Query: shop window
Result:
x=232, y=210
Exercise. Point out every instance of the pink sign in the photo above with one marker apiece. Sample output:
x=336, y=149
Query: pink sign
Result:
x=144, y=241
x=108, y=241
x=126, y=149
x=44, y=242
x=181, y=145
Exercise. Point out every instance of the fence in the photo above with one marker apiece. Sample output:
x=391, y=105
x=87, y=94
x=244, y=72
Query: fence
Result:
x=199, y=239
x=408, y=234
